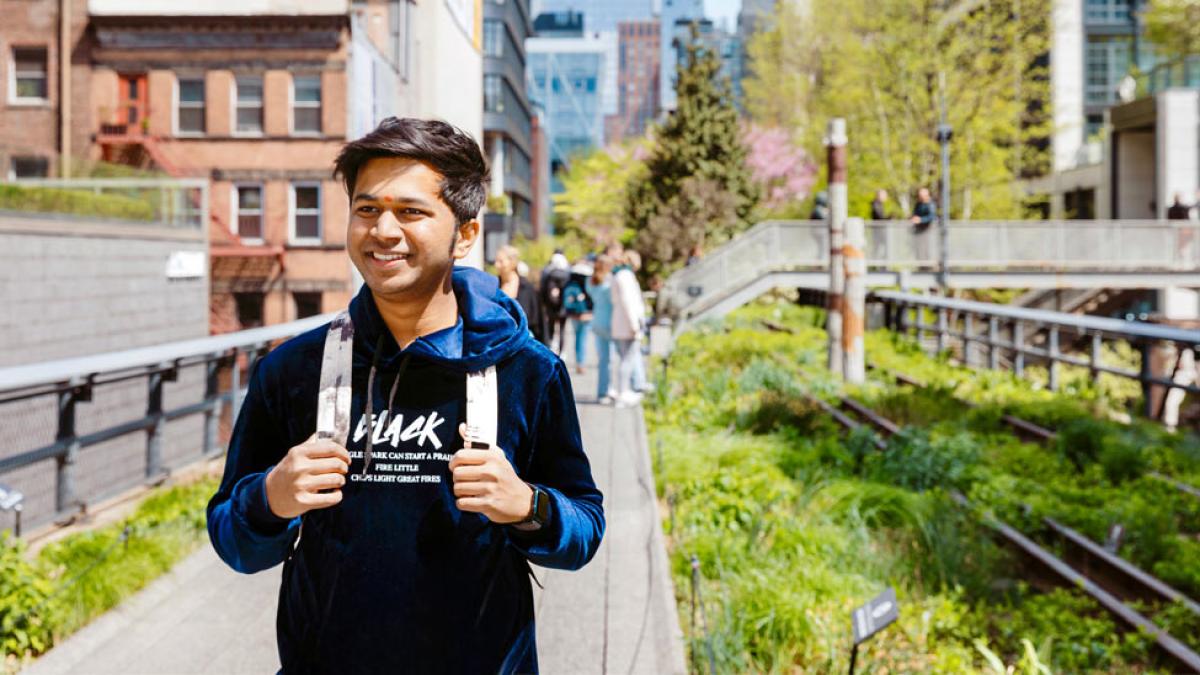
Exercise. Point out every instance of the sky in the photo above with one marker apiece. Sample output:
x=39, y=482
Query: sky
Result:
x=726, y=10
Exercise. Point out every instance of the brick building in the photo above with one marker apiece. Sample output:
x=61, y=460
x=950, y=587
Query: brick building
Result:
x=637, y=80
x=257, y=96
x=32, y=122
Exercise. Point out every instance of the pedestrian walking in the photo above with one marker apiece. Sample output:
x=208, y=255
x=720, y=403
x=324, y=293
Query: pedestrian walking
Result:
x=554, y=279
x=880, y=208
x=923, y=216
x=517, y=287
x=577, y=307
x=406, y=521
x=628, y=324
x=599, y=289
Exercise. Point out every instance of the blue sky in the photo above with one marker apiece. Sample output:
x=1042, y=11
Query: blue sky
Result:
x=723, y=9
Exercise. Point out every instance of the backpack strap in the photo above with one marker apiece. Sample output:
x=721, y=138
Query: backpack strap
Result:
x=482, y=405
x=333, y=399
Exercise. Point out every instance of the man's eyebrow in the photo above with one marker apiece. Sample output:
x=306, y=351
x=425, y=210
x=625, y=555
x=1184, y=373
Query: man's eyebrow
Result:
x=415, y=201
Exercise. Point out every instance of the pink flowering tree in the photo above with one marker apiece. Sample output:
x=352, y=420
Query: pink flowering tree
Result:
x=783, y=171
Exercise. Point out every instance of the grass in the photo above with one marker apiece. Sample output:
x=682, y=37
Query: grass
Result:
x=71, y=582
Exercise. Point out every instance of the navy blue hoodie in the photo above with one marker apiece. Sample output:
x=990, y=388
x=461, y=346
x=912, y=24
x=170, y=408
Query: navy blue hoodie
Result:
x=395, y=579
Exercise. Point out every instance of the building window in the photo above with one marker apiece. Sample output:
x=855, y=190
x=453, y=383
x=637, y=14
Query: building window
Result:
x=29, y=83
x=306, y=214
x=493, y=101
x=493, y=38
x=248, y=212
x=1108, y=60
x=249, y=309
x=29, y=167
x=249, y=104
x=307, y=304
x=1107, y=11
x=190, y=115
x=306, y=104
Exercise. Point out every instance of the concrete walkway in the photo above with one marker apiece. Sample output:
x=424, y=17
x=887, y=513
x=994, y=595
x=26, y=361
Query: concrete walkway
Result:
x=616, y=615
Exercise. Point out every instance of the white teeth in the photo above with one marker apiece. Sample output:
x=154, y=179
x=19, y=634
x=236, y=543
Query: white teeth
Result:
x=388, y=258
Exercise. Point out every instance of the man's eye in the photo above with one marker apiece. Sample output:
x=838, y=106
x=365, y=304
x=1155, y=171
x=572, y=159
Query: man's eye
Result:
x=414, y=212
x=367, y=210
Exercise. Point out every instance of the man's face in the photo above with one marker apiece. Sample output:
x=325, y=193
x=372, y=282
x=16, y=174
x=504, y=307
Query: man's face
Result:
x=923, y=195
x=401, y=235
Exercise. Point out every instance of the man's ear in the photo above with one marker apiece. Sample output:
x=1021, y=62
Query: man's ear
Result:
x=468, y=233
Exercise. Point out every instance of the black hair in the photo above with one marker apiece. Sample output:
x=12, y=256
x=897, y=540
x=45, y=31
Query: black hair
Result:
x=451, y=151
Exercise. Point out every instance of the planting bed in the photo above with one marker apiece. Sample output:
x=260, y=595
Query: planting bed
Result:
x=794, y=521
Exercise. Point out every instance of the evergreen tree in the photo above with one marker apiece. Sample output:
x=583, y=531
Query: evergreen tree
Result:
x=701, y=140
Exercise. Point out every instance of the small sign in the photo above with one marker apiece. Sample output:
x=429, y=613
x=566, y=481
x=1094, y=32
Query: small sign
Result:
x=185, y=265
x=874, y=616
x=10, y=498
x=695, y=291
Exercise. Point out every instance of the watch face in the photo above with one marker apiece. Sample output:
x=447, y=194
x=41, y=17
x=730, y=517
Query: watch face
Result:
x=541, y=511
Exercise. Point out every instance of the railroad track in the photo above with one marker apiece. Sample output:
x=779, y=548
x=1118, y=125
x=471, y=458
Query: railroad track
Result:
x=1109, y=580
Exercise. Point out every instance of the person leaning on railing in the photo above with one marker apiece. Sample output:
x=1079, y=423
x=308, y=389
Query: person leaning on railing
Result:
x=924, y=214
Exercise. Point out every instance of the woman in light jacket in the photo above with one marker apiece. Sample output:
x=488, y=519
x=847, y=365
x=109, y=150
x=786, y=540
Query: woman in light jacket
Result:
x=599, y=289
x=628, y=323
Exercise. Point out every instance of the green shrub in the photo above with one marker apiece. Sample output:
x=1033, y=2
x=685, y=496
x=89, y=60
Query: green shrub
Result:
x=76, y=579
x=78, y=202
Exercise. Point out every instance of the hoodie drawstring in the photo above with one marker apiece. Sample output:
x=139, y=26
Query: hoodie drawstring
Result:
x=370, y=423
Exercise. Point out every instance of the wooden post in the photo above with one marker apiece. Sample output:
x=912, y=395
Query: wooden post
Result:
x=855, y=301
x=835, y=142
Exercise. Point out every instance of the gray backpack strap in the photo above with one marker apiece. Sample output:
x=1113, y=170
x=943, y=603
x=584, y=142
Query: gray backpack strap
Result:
x=333, y=400
x=482, y=405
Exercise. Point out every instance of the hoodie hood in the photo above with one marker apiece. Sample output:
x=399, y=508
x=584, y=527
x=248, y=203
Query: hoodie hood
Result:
x=490, y=327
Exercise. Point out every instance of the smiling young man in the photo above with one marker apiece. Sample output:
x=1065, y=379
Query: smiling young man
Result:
x=404, y=552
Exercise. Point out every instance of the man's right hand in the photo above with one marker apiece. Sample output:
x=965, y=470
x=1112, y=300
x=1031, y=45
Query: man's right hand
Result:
x=294, y=484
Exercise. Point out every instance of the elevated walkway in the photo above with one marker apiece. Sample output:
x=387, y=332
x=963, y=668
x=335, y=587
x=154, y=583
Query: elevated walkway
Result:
x=616, y=615
x=1077, y=254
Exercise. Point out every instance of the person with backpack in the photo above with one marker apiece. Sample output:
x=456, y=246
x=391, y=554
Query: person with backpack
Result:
x=408, y=461
x=577, y=307
x=554, y=279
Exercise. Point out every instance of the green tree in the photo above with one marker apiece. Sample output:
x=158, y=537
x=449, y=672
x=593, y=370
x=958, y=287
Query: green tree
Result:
x=1175, y=26
x=887, y=66
x=591, y=206
x=701, y=140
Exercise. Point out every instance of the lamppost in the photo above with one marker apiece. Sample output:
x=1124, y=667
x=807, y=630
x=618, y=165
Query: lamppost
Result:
x=944, y=133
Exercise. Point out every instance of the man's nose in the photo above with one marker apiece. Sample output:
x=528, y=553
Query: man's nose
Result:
x=388, y=227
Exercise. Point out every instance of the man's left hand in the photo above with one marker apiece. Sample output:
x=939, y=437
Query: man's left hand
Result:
x=485, y=482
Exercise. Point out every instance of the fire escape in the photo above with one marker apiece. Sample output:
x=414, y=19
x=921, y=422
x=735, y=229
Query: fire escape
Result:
x=239, y=265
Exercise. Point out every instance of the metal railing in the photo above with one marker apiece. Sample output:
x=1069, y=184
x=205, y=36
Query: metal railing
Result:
x=1051, y=245
x=174, y=202
x=72, y=382
x=1010, y=333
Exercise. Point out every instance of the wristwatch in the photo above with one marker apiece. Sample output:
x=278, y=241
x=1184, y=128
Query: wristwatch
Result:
x=539, y=511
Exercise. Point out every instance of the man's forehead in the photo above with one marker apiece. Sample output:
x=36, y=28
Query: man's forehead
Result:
x=398, y=178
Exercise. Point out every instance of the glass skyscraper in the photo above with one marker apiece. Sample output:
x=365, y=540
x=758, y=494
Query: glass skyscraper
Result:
x=600, y=15
x=573, y=80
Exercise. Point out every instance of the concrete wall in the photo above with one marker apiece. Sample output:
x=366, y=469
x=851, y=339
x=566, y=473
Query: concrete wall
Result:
x=1178, y=113
x=1066, y=82
x=1135, y=169
x=448, y=52
x=75, y=289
